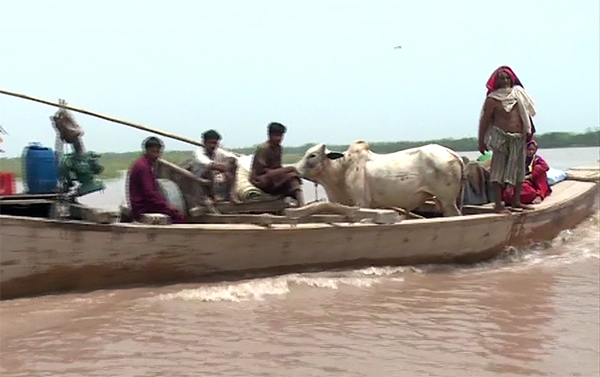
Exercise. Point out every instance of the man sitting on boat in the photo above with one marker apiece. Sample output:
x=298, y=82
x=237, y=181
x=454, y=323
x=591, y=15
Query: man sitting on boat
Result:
x=535, y=187
x=267, y=172
x=505, y=126
x=143, y=191
x=217, y=165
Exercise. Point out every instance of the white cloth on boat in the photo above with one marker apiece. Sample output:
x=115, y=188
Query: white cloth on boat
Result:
x=553, y=176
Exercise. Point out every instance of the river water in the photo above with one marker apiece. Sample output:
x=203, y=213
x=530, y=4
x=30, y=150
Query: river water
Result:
x=532, y=312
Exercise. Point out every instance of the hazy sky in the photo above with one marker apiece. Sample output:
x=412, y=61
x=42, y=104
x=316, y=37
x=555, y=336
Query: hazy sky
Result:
x=325, y=68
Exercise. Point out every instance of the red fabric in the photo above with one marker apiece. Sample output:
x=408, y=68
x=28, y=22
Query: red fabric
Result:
x=537, y=186
x=491, y=85
x=7, y=184
x=144, y=194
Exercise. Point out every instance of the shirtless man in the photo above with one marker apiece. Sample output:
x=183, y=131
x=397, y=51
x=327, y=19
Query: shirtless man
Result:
x=505, y=126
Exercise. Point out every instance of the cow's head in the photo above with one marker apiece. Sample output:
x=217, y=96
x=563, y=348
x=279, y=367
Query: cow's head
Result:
x=315, y=160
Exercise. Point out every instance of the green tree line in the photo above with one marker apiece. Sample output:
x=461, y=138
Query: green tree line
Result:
x=590, y=138
x=115, y=163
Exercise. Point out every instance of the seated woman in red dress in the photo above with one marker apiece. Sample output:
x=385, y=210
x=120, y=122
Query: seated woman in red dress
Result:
x=535, y=187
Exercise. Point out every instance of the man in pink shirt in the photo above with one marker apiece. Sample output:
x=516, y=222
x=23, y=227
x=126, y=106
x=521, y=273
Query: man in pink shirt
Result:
x=143, y=190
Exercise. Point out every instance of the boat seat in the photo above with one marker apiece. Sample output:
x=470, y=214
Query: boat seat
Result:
x=155, y=219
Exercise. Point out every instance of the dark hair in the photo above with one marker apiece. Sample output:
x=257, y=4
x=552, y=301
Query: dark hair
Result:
x=152, y=142
x=211, y=135
x=275, y=128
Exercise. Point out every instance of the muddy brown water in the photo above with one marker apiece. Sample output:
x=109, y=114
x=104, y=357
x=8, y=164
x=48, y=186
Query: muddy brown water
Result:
x=532, y=312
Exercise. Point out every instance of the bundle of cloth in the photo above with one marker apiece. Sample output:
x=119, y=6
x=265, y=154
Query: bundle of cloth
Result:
x=245, y=190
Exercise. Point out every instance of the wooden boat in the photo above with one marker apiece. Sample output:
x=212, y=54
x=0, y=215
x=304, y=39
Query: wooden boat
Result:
x=41, y=255
x=49, y=245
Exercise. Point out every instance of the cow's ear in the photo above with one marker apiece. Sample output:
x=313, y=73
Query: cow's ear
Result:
x=334, y=155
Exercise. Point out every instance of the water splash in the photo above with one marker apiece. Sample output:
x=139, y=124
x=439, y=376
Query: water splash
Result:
x=570, y=246
x=259, y=289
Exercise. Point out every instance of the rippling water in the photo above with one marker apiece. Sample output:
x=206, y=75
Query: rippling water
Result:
x=532, y=312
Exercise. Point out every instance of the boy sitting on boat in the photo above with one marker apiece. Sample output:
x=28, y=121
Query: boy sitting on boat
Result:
x=216, y=165
x=268, y=173
x=142, y=187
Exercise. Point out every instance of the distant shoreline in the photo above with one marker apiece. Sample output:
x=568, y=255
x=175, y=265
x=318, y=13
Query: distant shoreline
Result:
x=115, y=163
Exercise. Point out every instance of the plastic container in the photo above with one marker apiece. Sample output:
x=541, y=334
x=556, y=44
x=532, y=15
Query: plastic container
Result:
x=484, y=157
x=8, y=185
x=40, y=169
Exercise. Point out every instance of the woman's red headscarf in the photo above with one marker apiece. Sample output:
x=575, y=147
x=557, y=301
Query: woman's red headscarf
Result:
x=492, y=83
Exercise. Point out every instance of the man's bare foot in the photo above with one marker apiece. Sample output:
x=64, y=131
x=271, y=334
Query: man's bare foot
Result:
x=501, y=209
x=537, y=200
x=521, y=206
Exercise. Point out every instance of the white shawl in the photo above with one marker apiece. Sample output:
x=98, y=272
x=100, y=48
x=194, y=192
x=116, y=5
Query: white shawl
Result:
x=509, y=97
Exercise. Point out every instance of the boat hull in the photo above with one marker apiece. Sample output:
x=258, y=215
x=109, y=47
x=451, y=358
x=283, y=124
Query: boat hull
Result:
x=40, y=256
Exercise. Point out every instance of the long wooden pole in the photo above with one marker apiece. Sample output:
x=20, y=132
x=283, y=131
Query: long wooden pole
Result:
x=105, y=117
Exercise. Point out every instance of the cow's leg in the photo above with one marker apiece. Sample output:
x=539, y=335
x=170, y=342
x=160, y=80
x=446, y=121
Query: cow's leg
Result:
x=437, y=205
x=449, y=206
x=451, y=209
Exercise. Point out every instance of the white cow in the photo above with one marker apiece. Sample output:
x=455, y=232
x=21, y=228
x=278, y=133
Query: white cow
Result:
x=404, y=179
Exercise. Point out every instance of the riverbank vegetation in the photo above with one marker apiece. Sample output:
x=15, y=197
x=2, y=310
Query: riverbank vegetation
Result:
x=115, y=163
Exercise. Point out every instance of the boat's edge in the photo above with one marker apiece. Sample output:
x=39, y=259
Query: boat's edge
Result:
x=122, y=277
x=544, y=224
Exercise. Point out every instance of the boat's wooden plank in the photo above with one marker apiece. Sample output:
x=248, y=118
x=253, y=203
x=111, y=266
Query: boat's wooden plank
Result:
x=584, y=174
x=565, y=191
x=28, y=196
x=251, y=207
x=429, y=208
x=265, y=219
x=7, y=203
x=94, y=215
x=587, y=167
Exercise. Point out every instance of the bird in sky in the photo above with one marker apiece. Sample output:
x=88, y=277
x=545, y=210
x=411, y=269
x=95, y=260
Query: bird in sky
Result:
x=397, y=47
